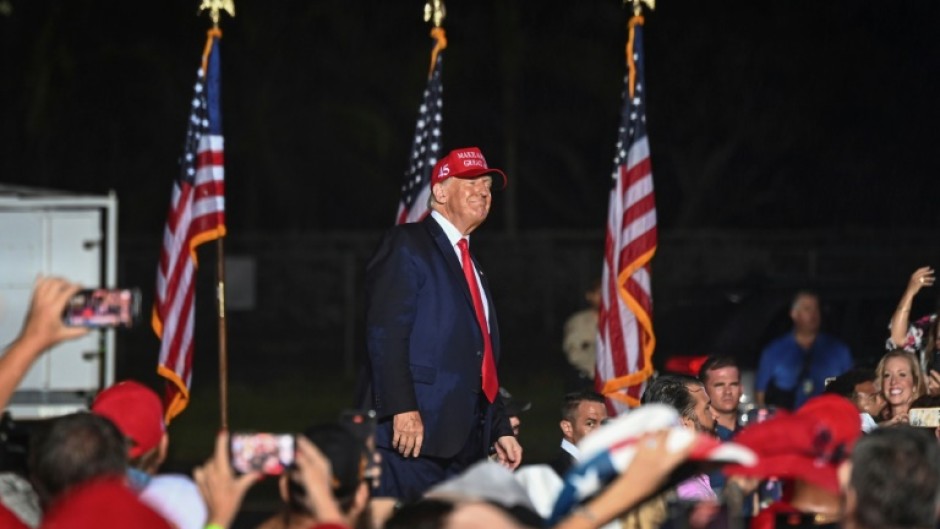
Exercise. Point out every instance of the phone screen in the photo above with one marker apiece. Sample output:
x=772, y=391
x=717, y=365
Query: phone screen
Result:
x=268, y=453
x=102, y=307
x=924, y=417
x=757, y=415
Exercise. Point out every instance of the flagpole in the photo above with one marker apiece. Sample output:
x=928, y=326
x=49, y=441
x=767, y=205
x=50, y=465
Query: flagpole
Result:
x=214, y=7
x=223, y=333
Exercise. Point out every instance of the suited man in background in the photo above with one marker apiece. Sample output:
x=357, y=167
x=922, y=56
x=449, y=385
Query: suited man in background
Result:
x=432, y=338
x=581, y=413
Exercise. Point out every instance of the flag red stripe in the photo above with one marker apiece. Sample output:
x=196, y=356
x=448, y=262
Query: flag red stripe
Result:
x=179, y=206
x=174, y=279
x=182, y=318
x=618, y=338
x=210, y=188
x=638, y=246
x=172, y=305
x=642, y=168
x=209, y=158
x=640, y=208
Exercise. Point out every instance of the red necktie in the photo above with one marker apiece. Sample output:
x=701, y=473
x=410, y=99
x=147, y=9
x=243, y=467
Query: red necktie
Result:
x=490, y=381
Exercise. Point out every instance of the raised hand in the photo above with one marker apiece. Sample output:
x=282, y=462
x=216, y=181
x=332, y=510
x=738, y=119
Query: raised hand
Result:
x=922, y=277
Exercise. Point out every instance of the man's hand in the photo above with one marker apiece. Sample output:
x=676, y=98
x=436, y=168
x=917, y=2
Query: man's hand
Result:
x=508, y=451
x=408, y=430
x=221, y=490
x=43, y=327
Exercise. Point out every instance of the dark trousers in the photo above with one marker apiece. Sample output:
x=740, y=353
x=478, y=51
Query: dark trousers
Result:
x=409, y=478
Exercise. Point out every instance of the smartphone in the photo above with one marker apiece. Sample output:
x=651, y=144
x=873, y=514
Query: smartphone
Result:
x=757, y=415
x=265, y=452
x=103, y=307
x=362, y=424
x=924, y=417
x=934, y=363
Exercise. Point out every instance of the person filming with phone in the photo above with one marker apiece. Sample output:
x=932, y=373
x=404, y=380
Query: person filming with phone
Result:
x=42, y=330
x=347, y=457
x=433, y=340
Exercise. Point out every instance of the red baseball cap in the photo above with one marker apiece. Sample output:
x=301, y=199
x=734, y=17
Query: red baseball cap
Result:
x=137, y=412
x=466, y=163
x=807, y=445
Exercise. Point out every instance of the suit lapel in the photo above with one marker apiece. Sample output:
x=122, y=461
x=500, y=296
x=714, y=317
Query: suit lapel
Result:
x=450, y=255
x=453, y=263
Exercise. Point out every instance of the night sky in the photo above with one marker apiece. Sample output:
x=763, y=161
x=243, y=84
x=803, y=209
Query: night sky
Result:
x=794, y=128
x=762, y=114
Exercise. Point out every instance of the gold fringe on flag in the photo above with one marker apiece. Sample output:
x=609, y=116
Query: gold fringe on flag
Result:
x=441, y=44
x=215, y=32
x=635, y=20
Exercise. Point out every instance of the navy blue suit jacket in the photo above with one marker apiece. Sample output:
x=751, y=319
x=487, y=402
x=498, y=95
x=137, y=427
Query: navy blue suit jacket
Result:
x=424, y=343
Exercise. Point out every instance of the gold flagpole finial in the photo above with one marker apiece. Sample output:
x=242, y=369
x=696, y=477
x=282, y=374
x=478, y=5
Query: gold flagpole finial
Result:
x=638, y=5
x=434, y=11
x=214, y=6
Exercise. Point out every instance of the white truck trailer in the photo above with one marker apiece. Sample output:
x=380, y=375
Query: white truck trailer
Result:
x=62, y=234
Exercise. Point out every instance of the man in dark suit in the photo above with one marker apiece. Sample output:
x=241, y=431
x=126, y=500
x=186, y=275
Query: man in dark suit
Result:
x=432, y=338
x=582, y=413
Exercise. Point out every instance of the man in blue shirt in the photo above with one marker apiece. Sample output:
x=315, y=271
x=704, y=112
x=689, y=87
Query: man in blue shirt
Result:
x=795, y=366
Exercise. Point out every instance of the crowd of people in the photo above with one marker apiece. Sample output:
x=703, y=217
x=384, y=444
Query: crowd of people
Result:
x=687, y=457
x=830, y=445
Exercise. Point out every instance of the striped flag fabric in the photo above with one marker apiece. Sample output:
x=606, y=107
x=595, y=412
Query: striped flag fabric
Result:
x=426, y=147
x=625, y=341
x=197, y=215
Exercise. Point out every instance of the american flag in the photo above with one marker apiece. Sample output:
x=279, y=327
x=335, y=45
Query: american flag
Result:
x=197, y=215
x=625, y=339
x=426, y=148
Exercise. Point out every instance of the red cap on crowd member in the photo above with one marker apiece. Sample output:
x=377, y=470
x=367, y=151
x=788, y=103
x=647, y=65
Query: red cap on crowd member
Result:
x=101, y=504
x=137, y=412
x=466, y=163
x=807, y=445
x=9, y=520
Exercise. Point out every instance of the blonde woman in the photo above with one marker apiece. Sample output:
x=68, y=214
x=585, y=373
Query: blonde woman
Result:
x=902, y=381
